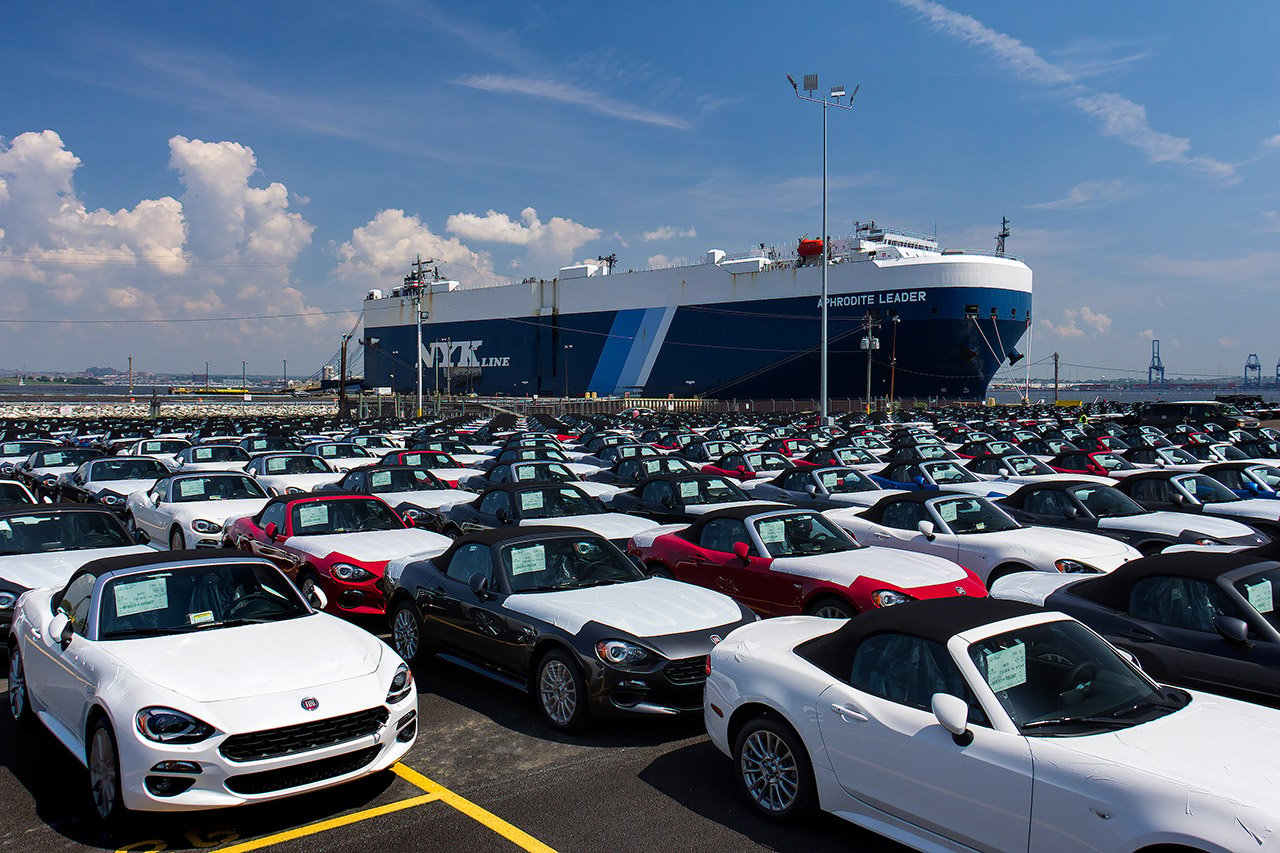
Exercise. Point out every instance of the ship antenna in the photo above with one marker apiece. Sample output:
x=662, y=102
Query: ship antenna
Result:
x=1002, y=236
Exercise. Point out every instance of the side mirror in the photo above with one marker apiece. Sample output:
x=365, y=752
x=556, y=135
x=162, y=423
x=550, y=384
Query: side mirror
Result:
x=1131, y=658
x=667, y=501
x=811, y=490
x=919, y=480
x=1178, y=498
x=271, y=530
x=740, y=550
x=60, y=627
x=742, y=469
x=479, y=585
x=155, y=499
x=952, y=713
x=1233, y=630
x=502, y=515
x=140, y=536
x=316, y=597
x=926, y=530
x=410, y=521
x=1071, y=512
x=1004, y=473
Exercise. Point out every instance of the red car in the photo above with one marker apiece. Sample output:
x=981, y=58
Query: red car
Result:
x=749, y=465
x=849, y=457
x=1102, y=463
x=783, y=561
x=340, y=543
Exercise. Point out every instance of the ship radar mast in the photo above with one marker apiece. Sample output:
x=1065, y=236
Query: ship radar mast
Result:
x=1002, y=236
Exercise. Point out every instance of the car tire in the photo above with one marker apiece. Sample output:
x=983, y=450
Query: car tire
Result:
x=104, y=773
x=657, y=570
x=177, y=542
x=19, y=691
x=561, y=692
x=830, y=607
x=307, y=582
x=406, y=631
x=772, y=768
x=1004, y=571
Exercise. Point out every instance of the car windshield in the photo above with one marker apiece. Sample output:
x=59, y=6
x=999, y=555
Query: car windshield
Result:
x=542, y=472
x=854, y=456
x=839, y=482
x=297, y=465
x=162, y=445
x=403, y=480
x=1176, y=456
x=932, y=451
x=444, y=446
x=948, y=472
x=1025, y=466
x=765, y=461
x=709, y=490
x=61, y=531
x=666, y=465
x=1111, y=462
x=554, y=502
x=1229, y=452
x=1106, y=501
x=1259, y=591
x=218, y=453
x=202, y=597
x=566, y=562
x=20, y=448
x=123, y=468
x=1268, y=475
x=801, y=534
x=630, y=451
x=973, y=515
x=1058, y=678
x=65, y=458
x=1205, y=489
x=347, y=515
x=339, y=451
x=190, y=489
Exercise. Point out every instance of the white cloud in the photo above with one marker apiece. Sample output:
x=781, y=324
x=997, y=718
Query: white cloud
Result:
x=557, y=238
x=1088, y=194
x=657, y=262
x=1147, y=334
x=668, y=232
x=1228, y=343
x=1117, y=116
x=564, y=93
x=380, y=251
x=1072, y=320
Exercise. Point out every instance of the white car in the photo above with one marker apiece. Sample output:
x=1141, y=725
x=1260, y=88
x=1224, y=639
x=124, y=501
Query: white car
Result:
x=212, y=457
x=164, y=449
x=189, y=510
x=290, y=473
x=979, y=724
x=978, y=535
x=14, y=452
x=138, y=667
x=946, y=474
x=341, y=456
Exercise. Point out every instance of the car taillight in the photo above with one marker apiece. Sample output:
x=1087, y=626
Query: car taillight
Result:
x=708, y=666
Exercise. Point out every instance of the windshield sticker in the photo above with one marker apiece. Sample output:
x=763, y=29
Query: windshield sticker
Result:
x=529, y=559
x=313, y=515
x=830, y=480
x=52, y=459
x=275, y=466
x=1007, y=668
x=526, y=472
x=380, y=478
x=190, y=488
x=689, y=489
x=773, y=531
x=203, y=455
x=948, y=511
x=141, y=596
x=202, y=618
x=1260, y=596
x=531, y=500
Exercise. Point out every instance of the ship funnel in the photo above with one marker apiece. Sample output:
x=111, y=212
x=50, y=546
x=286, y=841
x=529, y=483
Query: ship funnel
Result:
x=715, y=256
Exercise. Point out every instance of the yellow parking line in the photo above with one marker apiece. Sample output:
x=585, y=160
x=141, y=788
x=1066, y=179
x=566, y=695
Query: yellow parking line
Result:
x=516, y=836
x=326, y=825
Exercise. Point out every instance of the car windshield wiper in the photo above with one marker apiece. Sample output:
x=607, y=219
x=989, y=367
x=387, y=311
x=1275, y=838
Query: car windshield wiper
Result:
x=135, y=633
x=1145, y=704
x=1078, y=721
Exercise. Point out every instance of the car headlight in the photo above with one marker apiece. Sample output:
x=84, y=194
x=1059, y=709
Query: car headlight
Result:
x=622, y=654
x=415, y=514
x=350, y=573
x=888, y=597
x=401, y=684
x=110, y=498
x=1205, y=540
x=49, y=479
x=1074, y=567
x=294, y=490
x=165, y=725
x=7, y=600
x=202, y=526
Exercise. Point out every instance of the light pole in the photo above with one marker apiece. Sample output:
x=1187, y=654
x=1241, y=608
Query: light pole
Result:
x=244, y=377
x=837, y=92
x=870, y=343
x=567, y=347
x=394, y=409
x=893, y=359
x=284, y=373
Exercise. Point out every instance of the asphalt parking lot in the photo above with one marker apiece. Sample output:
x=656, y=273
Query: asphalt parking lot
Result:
x=485, y=774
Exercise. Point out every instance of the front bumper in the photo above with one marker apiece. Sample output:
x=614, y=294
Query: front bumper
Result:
x=673, y=689
x=221, y=782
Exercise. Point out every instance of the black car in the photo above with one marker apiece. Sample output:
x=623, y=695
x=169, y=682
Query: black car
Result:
x=1099, y=508
x=820, y=488
x=1247, y=479
x=629, y=472
x=521, y=472
x=1195, y=619
x=840, y=456
x=512, y=503
x=399, y=485
x=678, y=498
x=1194, y=492
x=40, y=471
x=567, y=617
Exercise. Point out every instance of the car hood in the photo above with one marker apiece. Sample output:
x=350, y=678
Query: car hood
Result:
x=1174, y=748
x=1260, y=508
x=1102, y=552
x=120, y=487
x=428, y=498
x=55, y=568
x=701, y=509
x=373, y=546
x=219, y=511
x=213, y=466
x=306, y=482
x=986, y=488
x=610, y=525
x=1031, y=587
x=905, y=569
x=1173, y=523
x=295, y=654
x=648, y=608
x=863, y=499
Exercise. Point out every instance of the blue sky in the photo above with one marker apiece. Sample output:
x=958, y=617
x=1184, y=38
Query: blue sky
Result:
x=164, y=161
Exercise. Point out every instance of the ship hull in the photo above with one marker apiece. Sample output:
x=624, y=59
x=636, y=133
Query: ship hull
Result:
x=956, y=324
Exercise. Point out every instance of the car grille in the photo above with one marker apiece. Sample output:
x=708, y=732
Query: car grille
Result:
x=305, y=737
x=687, y=670
x=302, y=774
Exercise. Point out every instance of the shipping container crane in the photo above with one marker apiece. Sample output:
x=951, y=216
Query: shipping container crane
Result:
x=1156, y=367
x=1252, y=371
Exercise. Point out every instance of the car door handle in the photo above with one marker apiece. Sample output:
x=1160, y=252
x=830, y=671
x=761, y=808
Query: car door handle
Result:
x=882, y=536
x=848, y=712
x=1138, y=635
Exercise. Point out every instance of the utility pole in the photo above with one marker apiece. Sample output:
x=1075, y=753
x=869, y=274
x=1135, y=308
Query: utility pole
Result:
x=342, y=380
x=1055, y=378
x=284, y=373
x=893, y=359
x=130, y=375
x=244, y=376
x=567, y=347
x=869, y=343
x=206, y=376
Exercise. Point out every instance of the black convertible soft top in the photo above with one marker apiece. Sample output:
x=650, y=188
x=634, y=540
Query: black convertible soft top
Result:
x=1112, y=589
x=936, y=619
